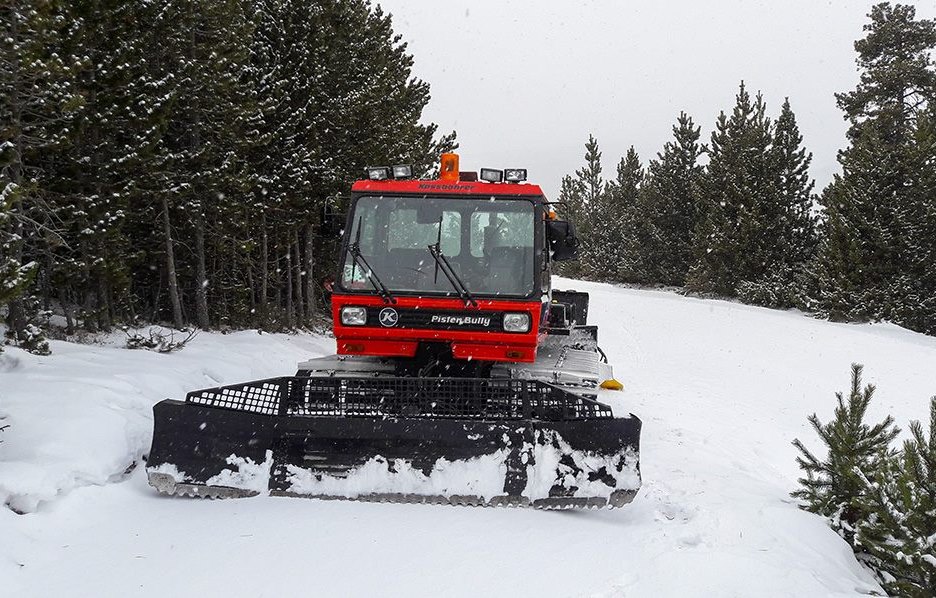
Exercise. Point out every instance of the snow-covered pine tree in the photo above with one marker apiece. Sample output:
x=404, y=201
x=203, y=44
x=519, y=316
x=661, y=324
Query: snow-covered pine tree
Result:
x=15, y=276
x=666, y=212
x=592, y=184
x=787, y=221
x=833, y=486
x=610, y=217
x=337, y=94
x=899, y=535
x=572, y=208
x=36, y=93
x=913, y=292
x=95, y=179
x=209, y=137
x=729, y=245
x=581, y=196
x=593, y=187
x=624, y=195
x=873, y=207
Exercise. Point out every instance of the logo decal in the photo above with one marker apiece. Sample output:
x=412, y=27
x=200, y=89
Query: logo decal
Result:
x=388, y=317
x=461, y=320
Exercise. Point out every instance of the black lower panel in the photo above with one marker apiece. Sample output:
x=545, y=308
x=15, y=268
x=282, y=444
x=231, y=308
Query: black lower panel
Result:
x=198, y=441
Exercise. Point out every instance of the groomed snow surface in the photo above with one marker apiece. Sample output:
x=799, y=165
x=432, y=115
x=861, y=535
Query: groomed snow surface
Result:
x=722, y=389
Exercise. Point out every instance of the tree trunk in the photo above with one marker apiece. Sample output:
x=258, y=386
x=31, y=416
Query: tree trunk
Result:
x=309, y=266
x=201, y=274
x=264, y=269
x=104, y=305
x=171, y=267
x=298, y=275
x=290, y=314
x=69, y=318
x=252, y=294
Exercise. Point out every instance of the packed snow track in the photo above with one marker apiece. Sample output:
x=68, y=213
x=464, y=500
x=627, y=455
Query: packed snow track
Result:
x=722, y=390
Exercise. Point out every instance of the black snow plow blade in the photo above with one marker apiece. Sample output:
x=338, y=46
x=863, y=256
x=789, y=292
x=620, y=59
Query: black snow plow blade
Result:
x=428, y=440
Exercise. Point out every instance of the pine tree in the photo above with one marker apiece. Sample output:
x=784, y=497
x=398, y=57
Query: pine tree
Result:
x=913, y=293
x=866, y=270
x=582, y=199
x=592, y=184
x=899, y=536
x=14, y=275
x=623, y=195
x=36, y=93
x=593, y=187
x=609, y=218
x=729, y=245
x=571, y=204
x=786, y=220
x=666, y=213
x=833, y=486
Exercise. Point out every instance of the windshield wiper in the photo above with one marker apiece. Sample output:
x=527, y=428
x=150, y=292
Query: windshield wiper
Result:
x=355, y=250
x=443, y=264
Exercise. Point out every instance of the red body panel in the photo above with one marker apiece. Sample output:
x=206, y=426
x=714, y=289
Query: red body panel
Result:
x=448, y=188
x=466, y=344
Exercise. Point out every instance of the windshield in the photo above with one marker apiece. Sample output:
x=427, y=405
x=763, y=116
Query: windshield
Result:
x=489, y=244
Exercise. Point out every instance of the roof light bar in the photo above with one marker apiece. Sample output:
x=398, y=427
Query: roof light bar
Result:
x=402, y=171
x=377, y=173
x=515, y=175
x=492, y=175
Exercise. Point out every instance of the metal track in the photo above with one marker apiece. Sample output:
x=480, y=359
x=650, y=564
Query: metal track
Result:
x=166, y=484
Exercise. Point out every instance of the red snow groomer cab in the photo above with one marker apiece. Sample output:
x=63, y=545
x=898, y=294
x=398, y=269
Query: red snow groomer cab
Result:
x=460, y=376
x=453, y=271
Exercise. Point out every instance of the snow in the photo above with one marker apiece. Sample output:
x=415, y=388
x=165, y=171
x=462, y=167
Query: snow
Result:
x=722, y=389
x=482, y=476
x=248, y=476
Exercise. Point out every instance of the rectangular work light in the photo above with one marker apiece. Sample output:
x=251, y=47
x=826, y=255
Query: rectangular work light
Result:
x=377, y=173
x=492, y=175
x=515, y=175
x=402, y=171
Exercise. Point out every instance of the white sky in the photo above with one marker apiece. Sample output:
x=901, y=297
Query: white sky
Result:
x=524, y=81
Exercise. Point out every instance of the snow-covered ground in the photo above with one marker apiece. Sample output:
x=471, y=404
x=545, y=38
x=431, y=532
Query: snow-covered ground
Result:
x=722, y=389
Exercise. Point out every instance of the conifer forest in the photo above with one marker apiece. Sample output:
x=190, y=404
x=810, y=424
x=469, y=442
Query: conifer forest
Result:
x=168, y=161
x=738, y=215
x=171, y=162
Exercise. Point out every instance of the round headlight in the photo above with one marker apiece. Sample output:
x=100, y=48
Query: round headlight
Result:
x=518, y=322
x=353, y=316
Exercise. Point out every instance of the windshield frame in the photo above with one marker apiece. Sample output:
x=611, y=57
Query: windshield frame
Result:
x=539, y=233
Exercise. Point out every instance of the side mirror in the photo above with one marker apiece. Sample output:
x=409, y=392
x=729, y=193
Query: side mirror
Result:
x=562, y=240
x=332, y=224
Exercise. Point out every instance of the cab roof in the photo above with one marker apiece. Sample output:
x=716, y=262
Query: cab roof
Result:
x=437, y=187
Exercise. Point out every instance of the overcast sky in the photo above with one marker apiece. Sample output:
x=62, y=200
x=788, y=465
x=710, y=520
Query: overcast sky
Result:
x=525, y=81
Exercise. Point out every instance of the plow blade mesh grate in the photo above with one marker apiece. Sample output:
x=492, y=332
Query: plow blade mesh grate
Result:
x=457, y=398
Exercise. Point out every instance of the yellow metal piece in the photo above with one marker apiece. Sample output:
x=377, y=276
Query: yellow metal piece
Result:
x=449, y=168
x=612, y=384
